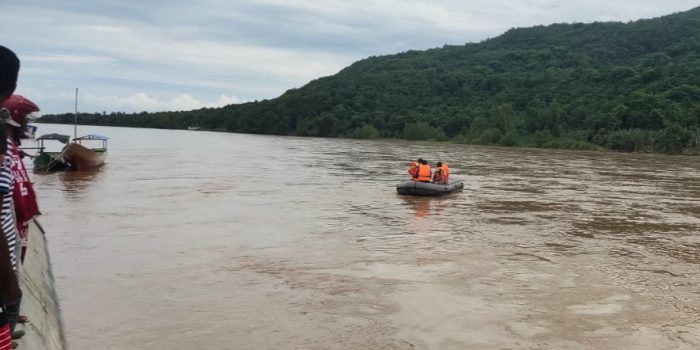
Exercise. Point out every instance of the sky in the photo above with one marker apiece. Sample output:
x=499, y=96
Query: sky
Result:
x=158, y=55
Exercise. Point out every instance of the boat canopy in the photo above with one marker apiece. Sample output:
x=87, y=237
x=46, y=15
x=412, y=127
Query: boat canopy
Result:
x=93, y=137
x=57, y=137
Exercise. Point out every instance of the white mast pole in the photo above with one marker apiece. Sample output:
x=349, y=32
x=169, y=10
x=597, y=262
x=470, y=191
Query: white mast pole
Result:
x=75, y=125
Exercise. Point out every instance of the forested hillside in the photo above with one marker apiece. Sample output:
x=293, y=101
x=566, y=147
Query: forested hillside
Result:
x=623, y=86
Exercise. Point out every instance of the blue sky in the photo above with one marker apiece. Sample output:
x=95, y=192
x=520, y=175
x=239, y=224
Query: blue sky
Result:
x=155, y=55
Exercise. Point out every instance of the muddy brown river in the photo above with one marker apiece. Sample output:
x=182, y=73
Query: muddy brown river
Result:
x=201, y=240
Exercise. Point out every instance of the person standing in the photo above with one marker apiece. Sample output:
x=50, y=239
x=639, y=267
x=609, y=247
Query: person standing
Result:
x=8, y=220
x=23, y=195
x=10, y=292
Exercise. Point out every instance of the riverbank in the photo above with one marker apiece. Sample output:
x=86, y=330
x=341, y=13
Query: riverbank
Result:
x=44, y=331
x=621, y=141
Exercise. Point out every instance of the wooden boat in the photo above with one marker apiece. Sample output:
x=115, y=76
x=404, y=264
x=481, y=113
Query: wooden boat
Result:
x=80, y=157
x=48, y=160
x=74, y=156
x=417, y=188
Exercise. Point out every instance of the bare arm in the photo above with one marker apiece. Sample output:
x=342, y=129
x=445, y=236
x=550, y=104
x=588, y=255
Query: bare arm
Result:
x=23, y=154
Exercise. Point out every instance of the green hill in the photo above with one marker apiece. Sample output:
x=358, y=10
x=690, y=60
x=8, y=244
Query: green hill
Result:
x=624, y=86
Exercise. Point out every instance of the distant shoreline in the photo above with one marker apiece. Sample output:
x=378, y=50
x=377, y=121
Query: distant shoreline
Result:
x=597, y=149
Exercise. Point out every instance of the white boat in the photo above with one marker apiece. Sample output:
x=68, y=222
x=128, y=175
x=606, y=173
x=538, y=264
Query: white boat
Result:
x=31, y=131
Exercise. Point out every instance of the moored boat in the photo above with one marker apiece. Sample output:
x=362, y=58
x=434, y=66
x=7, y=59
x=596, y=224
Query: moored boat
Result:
x=74, y=156
x=417, y=188
x=80, y=157
x=50, y=160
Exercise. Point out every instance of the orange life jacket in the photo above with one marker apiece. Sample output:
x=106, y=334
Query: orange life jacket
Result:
x=440, y=176
x=424, y=173
x=445, y=172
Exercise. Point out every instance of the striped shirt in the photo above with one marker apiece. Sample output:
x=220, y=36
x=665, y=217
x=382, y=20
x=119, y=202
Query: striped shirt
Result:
x=5, y=338
x=7, y=212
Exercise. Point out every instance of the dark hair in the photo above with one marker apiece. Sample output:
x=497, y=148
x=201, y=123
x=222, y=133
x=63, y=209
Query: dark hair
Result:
x=423, y=161
x=9, y=69
x=439, y=163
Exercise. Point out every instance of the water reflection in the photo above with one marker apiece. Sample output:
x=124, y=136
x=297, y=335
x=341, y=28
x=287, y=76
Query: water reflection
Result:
x=425, y=207
x=76, y=184
x=420, y=206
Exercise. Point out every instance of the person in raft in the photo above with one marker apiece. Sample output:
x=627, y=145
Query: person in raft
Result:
x=442, y=173
x=424, y=173
x=413, y=170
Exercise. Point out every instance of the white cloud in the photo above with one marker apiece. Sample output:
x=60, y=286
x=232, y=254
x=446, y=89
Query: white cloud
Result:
x=71, y=59
x=226, y=100
x=143, y=102
x=198, y=50
x=139, y=101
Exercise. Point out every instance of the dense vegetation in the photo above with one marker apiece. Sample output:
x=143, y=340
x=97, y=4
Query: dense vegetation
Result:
x=623, y=86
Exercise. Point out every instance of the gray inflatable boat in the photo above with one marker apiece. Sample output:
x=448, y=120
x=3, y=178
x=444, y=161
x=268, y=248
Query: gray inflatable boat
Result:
x=416, y=188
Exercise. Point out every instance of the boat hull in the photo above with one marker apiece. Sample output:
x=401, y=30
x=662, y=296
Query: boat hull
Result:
x=416, y=188
x=49, y=161
x=80, y=157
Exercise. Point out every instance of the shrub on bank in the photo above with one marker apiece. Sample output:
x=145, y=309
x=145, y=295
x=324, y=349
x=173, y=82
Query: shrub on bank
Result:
x=367, y=131
x=422, y=131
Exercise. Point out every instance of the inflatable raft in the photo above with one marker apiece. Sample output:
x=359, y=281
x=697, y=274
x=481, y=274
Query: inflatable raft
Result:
x=416, y=188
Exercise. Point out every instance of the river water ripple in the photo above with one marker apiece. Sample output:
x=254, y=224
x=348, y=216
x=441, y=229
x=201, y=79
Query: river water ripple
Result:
x=227, y=241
